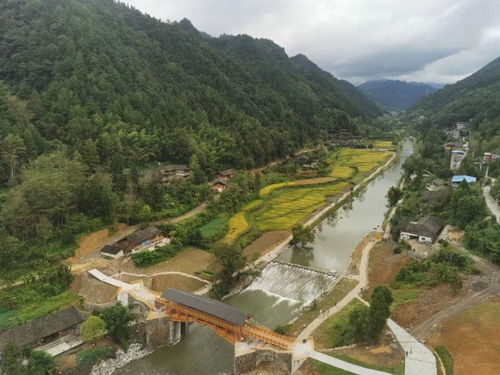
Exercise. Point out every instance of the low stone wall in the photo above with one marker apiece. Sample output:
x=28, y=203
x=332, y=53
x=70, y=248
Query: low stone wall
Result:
x=247, y=363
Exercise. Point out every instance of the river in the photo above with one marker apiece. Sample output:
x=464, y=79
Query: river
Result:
x=279, y=294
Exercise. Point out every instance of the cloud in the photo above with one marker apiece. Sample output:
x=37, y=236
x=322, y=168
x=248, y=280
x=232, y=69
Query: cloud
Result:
x=431, y=40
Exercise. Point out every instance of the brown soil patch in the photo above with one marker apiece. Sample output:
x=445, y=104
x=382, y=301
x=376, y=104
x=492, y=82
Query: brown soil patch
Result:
x=89, y=243
x=430, y=302
x=161, y=282
x=455, y=235
x=190, y=260
x=264, y=244
x=389, y=355
x=93, y=290
x=384, y=264
x=473, y=339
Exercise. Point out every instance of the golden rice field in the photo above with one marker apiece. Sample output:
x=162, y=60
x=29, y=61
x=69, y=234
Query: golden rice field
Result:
x=341, y=171
x=252, y=205
x=237, y=225
x=288, y=207
x=382, y=144
x=310, y=181
x=362, y=160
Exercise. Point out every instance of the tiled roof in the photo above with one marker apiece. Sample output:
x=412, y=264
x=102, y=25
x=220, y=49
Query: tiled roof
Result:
x=206, y=305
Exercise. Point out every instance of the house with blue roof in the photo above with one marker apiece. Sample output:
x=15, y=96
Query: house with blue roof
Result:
x=457, y=180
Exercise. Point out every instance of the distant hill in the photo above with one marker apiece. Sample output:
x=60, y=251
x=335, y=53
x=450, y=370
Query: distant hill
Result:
x=395, y=95
x=475, y=98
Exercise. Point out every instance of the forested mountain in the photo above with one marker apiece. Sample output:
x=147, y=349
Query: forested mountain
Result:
x=93, y=93
x=475, y=98
x=393, y=95
x=98, y=75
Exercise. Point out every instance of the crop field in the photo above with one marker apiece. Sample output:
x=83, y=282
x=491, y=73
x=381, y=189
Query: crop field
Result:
x=352, y=160
x=311, y=181
x=238, y=225
x=289, y=206
x=382, y=144
x=214, y=227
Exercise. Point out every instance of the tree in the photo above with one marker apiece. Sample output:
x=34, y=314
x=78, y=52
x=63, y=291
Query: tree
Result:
x=230, y=259
x=302, y=235
x=12, y=149
x=379, y=311
x=41, y=363
x=145, y=214
x=93, y=328
x=117, y=319
x=394, y=195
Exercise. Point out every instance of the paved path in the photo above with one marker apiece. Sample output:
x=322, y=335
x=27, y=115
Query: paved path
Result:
x=419, y=360
x=354, y=293
x=335, y=362
x=490, y=202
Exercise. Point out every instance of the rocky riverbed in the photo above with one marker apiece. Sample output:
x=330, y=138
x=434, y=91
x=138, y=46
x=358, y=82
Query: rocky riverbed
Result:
x=135, y=351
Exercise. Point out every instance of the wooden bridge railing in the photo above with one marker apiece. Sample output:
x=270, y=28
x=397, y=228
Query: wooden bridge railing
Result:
x=228, y=331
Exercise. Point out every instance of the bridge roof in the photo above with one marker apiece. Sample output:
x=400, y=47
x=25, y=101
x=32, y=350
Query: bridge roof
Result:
x=207, y=305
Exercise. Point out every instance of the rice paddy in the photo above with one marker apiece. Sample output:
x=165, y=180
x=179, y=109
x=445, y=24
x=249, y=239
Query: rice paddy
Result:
x=285, y=204
x=238, y=225
x=383, y=144
x=311, y=181
x=289, y=206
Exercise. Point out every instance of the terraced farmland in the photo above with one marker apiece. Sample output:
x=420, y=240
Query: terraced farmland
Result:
x=382, y=144
x=238, y=225
x=311, y=181
x=347, y=163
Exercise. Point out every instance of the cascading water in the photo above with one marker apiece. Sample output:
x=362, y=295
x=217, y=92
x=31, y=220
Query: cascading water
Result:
x=285, y=281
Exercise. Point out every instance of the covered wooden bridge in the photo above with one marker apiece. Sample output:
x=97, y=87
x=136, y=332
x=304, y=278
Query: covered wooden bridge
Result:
x=228, y=322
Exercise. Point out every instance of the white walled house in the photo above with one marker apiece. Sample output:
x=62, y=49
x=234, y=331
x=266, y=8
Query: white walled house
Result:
x=426, y=230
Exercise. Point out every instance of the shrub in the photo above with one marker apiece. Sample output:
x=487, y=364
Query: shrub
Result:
x=93, y=355
x=93, y=328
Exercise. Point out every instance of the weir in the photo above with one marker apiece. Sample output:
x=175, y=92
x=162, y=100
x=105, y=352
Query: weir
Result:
x=293, y=282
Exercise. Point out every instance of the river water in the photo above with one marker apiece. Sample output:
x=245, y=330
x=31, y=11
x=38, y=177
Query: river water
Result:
x=280, y=292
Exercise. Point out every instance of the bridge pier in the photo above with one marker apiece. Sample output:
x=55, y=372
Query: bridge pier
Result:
x=162, y=331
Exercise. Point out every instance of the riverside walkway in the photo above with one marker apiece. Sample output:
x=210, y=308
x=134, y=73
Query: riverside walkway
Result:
x=419, y=359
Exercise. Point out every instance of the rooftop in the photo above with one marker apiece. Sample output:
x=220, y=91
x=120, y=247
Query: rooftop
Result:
x=111, y=249
x=142, y=235
x=39, y=328
x=460, y=178
x=206, y=305
x=227, y=172
x=428, y=226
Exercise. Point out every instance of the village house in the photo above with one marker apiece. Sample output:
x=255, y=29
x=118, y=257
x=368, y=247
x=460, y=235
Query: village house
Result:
x=226, y=173
x=457, y=180
x=426, y=230
x=489, y=157
x=175, y=171
x=61, y=329
x=218, y=185
x=141, y=240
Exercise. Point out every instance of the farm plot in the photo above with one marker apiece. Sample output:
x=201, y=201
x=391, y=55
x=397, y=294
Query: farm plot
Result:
x=238, y=225
x=289, y=206
x=382, y=144
x=311, y=181
x=347, y=163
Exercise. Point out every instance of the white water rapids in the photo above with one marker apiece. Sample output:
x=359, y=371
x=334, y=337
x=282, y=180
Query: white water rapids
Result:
x=298, y=285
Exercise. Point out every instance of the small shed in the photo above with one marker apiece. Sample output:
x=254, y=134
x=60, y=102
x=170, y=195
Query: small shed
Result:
x=112, y=251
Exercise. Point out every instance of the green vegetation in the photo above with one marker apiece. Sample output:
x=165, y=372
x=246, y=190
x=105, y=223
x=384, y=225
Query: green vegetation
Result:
x=215, y=228
x=38, y=363
x=94, y=355
x=325, y=369
x=367, y=323
x=116, y=319
x=445, y=266
x=93, y=328
x=301, y=235
x=446, y=358
x=230, y=259
x=335, y=331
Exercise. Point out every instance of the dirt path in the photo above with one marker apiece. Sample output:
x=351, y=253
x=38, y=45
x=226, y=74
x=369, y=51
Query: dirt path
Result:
x=492, y=278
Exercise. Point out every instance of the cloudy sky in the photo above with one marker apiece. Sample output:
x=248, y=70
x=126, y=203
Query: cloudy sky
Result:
x=435, y=41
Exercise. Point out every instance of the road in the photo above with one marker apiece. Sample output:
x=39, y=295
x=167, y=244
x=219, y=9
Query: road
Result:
x=491, y=202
